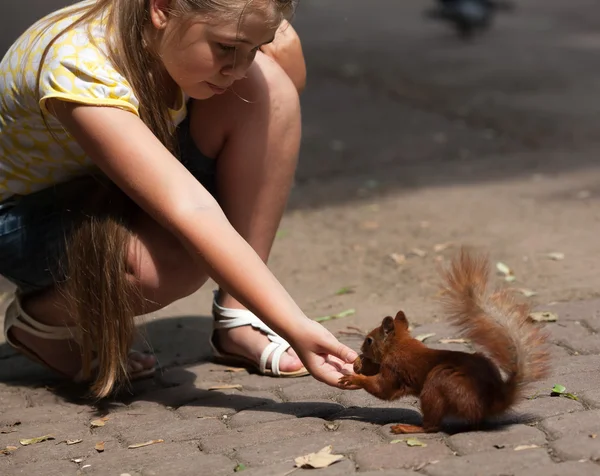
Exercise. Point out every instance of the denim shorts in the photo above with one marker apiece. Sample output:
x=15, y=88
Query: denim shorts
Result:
x=34, y=227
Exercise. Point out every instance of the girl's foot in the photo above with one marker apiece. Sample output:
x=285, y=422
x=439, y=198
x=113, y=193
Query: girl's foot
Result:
x=52, y=346
x=250, y=343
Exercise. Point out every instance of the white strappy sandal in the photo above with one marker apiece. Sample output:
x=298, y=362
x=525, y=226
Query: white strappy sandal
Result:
x=226, y=318
x=16, y=317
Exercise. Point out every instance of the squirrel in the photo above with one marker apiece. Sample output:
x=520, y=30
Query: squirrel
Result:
x=470, y=386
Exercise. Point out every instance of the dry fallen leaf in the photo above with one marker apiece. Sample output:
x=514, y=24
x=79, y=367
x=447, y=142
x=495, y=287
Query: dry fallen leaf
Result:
x=525, y=447
x=527, y=292
x=506, y=271
x=415, y=442
x=9, y=428
x=556, y=256
x=99, y=422
x=583, y=194
x=322, y=459
x=419, y=252
x=398, y=258
x=147, y=443
x=593, y=436
x=33, y=441
x=73, y=442
x=230, y=369
x=99, y=446
x=332, y=426
x=424, y=337
x=442, y=246
x=393, y=442
x=77, y=460
x=369, y=225
x=8, y=450
x=227, y=387
x=543, y=316
x=339, y=315
x=454, y=341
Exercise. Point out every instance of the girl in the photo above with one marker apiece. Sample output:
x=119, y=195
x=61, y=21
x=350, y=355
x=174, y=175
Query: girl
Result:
x=146, y=145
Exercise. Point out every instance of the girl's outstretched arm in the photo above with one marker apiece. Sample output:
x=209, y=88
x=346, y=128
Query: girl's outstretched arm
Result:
x=123, y=147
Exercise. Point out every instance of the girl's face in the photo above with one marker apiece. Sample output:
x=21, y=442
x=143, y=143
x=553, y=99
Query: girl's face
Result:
x=205, y=56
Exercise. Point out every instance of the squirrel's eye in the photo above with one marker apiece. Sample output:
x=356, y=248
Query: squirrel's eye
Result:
x=369, y=340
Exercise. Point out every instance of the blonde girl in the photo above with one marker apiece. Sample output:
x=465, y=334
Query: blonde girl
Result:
x=146, y=145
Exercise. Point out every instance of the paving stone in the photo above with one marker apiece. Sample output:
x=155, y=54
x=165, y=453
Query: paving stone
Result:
x=175, y=431
x=576, y=382
x=50, y=414
x=126, y=418
x=575, y=336
x=361, y=399
x=508, y=438
x=588, y=311
x=568, y=468
x=571, y=424
x=269, y=453
x=544, y=407
x=311, y=389
x=275, y=431
x=393, y=472
x=283, y=411
x=381, y=415
x=497, y=463
x=219, y=404
x=201, y=376
x=557, y=353
x=177, y=396
x=159, y=460
x=340, y=468
x=592, y=398
x=47, y=468
x=575, y=363
x=258, y=382
x=577, y=447
x=399, y=455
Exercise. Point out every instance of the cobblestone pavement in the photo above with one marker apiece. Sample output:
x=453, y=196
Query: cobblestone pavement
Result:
x=493, y=143
x=264, y=424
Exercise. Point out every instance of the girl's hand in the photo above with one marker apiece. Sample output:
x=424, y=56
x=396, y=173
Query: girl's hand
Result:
x=323, y=355
x=286, y=50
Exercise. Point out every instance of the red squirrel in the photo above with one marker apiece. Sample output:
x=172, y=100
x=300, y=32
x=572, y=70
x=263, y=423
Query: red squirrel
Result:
x=471, y=386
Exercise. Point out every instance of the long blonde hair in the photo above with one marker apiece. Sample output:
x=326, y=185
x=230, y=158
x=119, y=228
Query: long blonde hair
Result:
x=101, y=297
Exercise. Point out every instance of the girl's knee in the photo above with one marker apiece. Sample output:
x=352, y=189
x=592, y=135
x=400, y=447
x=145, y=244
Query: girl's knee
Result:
x=266, y=100
x=162, y=267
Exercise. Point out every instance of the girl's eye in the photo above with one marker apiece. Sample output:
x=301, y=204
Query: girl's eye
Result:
x=226, y=48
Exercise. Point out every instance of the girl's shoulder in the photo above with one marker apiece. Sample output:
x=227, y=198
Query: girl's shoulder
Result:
x=56, y=58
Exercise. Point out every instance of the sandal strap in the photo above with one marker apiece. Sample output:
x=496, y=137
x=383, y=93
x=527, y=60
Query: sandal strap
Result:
x=17, y=317
x=227, y=318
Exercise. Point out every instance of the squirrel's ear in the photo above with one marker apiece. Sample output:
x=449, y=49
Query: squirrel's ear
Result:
x=401, y=320
x=388, y=324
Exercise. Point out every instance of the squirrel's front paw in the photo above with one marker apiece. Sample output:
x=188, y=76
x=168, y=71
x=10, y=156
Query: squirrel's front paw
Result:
x=347, y=381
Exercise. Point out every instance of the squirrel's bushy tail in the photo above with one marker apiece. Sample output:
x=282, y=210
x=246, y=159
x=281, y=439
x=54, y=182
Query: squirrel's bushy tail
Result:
x=495, y=321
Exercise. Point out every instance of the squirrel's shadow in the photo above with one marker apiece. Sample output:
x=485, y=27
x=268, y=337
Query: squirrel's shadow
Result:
x=450, y=426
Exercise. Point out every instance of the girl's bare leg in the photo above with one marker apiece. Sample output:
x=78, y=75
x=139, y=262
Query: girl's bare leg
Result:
x=256, y=144
x=159, y=264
